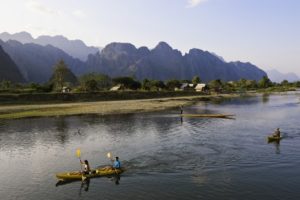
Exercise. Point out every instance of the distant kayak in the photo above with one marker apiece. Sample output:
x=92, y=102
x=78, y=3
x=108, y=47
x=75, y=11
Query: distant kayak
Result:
x=77, y=175
x=274, y=138
x=208, y=115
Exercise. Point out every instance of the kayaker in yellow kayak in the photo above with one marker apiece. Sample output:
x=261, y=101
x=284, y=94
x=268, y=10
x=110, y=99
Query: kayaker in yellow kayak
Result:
x=117, y=163
x=86, y=167
x=276, y=133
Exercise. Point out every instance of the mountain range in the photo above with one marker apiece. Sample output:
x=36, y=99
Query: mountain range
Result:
x=163, y=63
x=8, y=69
x=75, y=48
x=278, y=77
x=36, y=61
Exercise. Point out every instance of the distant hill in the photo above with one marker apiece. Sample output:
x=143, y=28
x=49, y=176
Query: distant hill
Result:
x=8, y=69
x=278, y=77
x=36, y=62
x=75, y=48
x=124, y=59
x=163, y=63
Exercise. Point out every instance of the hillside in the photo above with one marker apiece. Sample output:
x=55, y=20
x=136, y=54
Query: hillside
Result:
x=8, y=69
x=75, y=48
x=163, y=63
x=36, y=62
x=124, y=59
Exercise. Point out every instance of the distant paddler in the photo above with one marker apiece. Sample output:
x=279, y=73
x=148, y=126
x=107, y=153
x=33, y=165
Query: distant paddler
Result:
x=277, y=133
x=275, y=137
x=181, y=109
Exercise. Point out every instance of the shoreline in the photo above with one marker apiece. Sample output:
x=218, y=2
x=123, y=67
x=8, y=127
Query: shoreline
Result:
x=103, y=107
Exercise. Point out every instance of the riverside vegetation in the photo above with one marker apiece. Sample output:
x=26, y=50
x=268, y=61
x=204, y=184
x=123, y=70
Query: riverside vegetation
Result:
x=66, y=94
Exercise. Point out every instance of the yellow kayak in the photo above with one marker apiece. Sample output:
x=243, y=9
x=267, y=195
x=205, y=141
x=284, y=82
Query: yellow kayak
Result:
x=274, y=138
x=78, y=175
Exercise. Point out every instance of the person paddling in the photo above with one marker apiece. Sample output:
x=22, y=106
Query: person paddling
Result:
x=276, y=133
x=86, y=167
x=117, y=163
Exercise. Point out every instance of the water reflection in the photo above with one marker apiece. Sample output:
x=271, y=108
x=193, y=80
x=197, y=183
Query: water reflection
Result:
x=276, y=144
x=85, y=184
x=265, y=98
x=62, y=128
x=166, y=157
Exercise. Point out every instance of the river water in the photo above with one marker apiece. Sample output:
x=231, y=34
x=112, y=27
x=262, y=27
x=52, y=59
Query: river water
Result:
x=165, y=157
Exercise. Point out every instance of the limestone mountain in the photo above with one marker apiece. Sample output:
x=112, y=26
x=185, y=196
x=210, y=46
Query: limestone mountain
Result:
x=22, y=37
x=75, y=48
x=36, y=62
x=163, y=63
x=8, y=69
x=278, y=77
x=124, y=59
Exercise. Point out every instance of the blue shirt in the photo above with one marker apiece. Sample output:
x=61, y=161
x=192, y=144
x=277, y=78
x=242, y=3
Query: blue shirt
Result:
x=117, y=164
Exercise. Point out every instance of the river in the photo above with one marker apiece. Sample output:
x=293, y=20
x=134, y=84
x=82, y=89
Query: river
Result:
x=165, y=157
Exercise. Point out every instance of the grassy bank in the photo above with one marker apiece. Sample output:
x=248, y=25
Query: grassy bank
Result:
x=100, y=107
x=46, y=98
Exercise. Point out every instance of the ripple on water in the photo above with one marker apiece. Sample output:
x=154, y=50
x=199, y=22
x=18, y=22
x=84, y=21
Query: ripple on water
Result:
x=165, y=158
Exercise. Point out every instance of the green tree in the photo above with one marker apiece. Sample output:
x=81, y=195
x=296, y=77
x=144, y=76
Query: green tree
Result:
x=265, y=82
x=215, y=85
x=146, y=84
x=91, y=85
x=100, y=81
x=127, y=82
x=285, y=83
x=157, y=85
x=5, y=85
x=62, y=76
x=196, y=80
x=172, y=84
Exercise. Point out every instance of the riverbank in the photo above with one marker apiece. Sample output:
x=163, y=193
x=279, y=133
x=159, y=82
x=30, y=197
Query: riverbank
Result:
x=103, y=107
x=51, y=98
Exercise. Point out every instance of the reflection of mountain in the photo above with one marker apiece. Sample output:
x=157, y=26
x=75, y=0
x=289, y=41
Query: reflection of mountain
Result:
x=278, y=77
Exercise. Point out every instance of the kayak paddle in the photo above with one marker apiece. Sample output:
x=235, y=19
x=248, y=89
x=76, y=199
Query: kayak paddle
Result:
x=78, y=154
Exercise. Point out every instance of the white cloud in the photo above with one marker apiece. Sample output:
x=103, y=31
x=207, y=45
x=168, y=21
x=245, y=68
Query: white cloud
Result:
x=194, y=3
x=79, y=13
x=36, y=6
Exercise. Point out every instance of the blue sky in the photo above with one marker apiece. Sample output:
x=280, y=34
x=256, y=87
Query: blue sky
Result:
x=264, y=32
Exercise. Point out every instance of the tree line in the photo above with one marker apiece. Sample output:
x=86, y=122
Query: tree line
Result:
x=63, y=77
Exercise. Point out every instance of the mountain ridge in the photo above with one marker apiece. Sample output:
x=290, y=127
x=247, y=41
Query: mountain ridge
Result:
x=124, y=59
x=36, y=62
x=278, y=77
x=75, y=48
x=8, y=69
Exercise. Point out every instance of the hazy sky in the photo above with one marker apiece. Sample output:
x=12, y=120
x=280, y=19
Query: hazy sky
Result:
x=264, y=32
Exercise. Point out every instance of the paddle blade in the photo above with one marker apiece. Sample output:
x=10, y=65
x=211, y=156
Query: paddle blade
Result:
x=108, y=155
x=78, y=153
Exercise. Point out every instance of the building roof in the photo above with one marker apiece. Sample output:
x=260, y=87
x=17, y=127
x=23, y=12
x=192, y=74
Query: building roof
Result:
x=200, y=86
x=115, y=88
